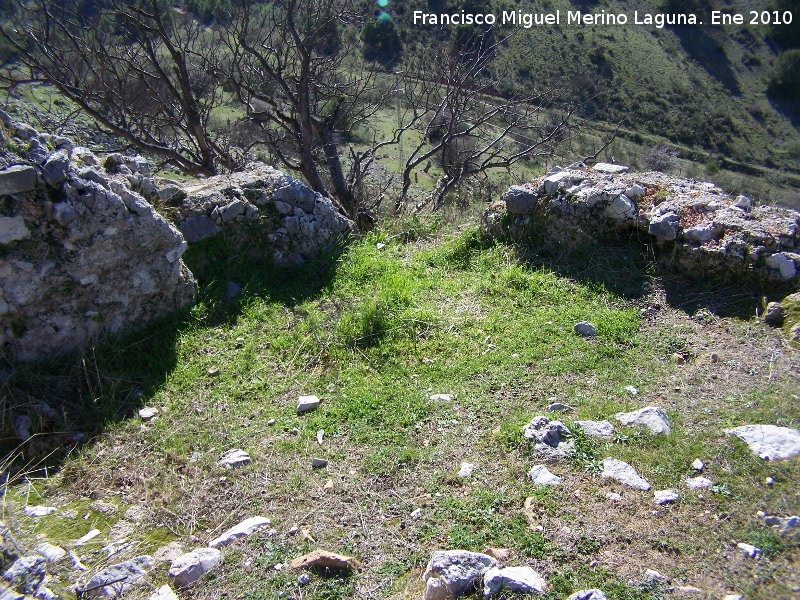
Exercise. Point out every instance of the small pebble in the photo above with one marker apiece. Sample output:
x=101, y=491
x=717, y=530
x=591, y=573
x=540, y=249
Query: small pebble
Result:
x=303, y=580
x=770, y=481
x=213, y=371
x=698, y=465
x=631, y=390
x=239, y=342
x=318, y=463
x=271, y=422
x=416, y=514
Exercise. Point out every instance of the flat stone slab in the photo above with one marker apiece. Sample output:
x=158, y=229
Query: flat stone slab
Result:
x=662, y=497
x=459, y=570
x=17, y=179
x=233, y=459
x=116, y=580
x=624, y=473
x=163, y=593
x=191, y=566
x=651, y=417
x=598, y=429
x=699, y=483
x=784, y=524
x=522, y=580
x=610, y=168
x=769, y=442
x=588, y=595
x=243, y=529
x=540, y=475
x=307, y=403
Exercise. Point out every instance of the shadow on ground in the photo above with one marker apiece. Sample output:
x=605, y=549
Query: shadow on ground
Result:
x=73, y=398
x=628, y=268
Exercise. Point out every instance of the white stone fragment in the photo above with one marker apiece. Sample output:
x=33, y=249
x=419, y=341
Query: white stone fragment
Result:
x=465, y=472
x=233, y=459
x=459, y=570
x=769, y=442
x=651, y=417
x=38, y=511
x=88, y=537
x=662, y=497
x=307, y=404
x=441, y=397
x=782, y=263
x=598, y=429
x=698, y=465
x=522, y=580
x=749, y=550
x=588, y=595
x=699, y=483
x=243, y=529
x=191, y=566
x=624, y=473
x=148, y=413
x=163, y=593
x=13, y=229
x=540, y=475
x=51, y=553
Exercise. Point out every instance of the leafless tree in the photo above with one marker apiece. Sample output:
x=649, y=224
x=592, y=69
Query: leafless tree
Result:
x=464, y=125
x=140, y=69
x=294, y=64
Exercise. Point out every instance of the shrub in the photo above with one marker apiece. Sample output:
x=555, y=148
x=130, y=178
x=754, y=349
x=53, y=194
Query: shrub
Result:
x=660, y=158
x=784, y=78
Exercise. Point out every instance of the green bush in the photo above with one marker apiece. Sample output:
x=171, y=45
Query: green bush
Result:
x=784, y=79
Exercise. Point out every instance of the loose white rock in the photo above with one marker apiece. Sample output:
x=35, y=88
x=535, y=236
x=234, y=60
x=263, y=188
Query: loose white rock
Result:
x=307, y=403
x=784, y=524
x=651, y=417
x=550, y=438
x=466, y=470
x=50, y=552
x=148, y=413
x=662, y=497
x=243, y=529
x=770, y=442
x=624, y=473
x=699, y=483
x=598, y=429
x=416, y=513
x=234, y=458
x=698, y=465
x=610, y=168
x=163, y=593
x=459, y=570
x=318, y=463
x=541, y=476
x=585, y=329
x=750, y=551
x=733, y=597
x=523, y=580
x=559, y=407
x=631, y=390
x=435, y=589
x=38, y=511
x=614, y=497
x=441, y=397
x=89, y=536
x=588, y=595
x=193, y=565
x=116, y=580
x=320, y=435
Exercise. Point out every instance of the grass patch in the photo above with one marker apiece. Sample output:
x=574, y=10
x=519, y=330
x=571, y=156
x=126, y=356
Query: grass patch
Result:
x=375, y=332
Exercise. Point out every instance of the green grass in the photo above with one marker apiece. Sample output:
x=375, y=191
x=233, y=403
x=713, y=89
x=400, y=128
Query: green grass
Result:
x=374, y=332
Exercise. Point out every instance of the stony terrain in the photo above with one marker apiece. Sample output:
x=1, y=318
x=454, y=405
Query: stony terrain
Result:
x=84, y=253
x=439, y=420
x=699, y=229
